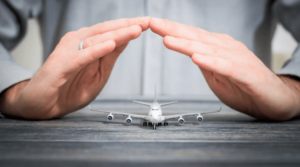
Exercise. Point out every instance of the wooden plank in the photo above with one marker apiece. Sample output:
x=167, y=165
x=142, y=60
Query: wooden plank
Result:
x=85, y=138
x=87, y=126
x=152, y=152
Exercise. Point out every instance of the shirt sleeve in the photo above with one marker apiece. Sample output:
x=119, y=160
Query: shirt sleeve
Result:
x=288, y=14
x=13, y=24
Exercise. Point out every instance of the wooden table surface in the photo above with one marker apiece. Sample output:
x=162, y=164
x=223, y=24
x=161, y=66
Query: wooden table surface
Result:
x=85, y=138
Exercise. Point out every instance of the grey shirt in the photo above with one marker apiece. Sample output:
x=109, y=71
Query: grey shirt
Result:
x=146, y=61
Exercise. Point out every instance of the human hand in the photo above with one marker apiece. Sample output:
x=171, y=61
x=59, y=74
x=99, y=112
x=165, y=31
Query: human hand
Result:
x=72, y=78
x=233, y=72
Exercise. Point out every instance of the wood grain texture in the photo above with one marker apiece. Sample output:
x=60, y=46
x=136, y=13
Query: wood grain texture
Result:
x=85, y=138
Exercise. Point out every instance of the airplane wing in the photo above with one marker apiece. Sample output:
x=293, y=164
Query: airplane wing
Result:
x=189, y=114
x=164, y=104
x=121, y=113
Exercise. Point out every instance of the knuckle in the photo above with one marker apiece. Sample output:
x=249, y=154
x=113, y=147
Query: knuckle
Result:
x=213, y=36
x=104, y=24
x=225, y=36
x=215, y=50
x=232, y=69
x=239, y=44
x=199, y=36
x=82, y=29
x=89, y=42
x=68, y=35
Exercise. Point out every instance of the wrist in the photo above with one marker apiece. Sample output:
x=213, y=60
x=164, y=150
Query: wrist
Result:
x=9, y=97
x=293, y=83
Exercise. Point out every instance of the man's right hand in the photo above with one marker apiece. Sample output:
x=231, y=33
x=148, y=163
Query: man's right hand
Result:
x=71, y=78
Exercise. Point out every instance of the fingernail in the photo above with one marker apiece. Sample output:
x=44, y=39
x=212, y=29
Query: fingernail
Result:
x=157, y=21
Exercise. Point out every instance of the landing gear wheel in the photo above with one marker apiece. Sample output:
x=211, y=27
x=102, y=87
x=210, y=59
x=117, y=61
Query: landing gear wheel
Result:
x=154, y=127
x=159, y=124
x=166, y=124
x=145, y=124
x=150, y=123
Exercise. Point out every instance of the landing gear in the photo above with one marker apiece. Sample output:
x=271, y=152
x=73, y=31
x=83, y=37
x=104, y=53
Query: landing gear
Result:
x=145, y=124
x=159, y=124
x=150, y=124
x=154, y=126
x=165, y=123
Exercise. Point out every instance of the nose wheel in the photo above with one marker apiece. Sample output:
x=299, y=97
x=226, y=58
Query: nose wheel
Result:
x=154, y=126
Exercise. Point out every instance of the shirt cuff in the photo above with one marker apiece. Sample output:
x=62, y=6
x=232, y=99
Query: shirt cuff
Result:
x=11, y=72
x=292, y=66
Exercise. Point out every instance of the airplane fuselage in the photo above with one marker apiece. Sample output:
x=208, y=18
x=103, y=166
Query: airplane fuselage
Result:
x=155, y=114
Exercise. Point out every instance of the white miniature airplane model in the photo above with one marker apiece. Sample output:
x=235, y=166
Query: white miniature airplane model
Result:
x=154, y=117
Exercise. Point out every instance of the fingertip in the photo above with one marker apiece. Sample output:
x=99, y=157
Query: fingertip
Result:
x=167, y=41
x=111, y=44
x=171, y=42
x=137, y=27
x=155, y=24
x=196, y=58
x=147, y=22
x=143, y=22
x=135, y=31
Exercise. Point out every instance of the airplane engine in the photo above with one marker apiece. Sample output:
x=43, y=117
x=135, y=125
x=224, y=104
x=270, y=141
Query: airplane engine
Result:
x=181, y=120
x=128, y=120
x=199, y=118
x=110, y=117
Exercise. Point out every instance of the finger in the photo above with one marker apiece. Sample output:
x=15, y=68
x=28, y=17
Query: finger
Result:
x=107, y=62
x=214, y=64
x=207, y=74
x=94, y=52
x=164, y=27
x=104, y=65
x=114, y=25
x=189, y=47
x=120, y=36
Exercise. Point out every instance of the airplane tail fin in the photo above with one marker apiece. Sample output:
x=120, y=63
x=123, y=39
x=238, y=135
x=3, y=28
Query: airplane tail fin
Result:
x=155, y=93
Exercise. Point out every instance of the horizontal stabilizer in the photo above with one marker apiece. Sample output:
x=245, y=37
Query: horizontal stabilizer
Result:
x=164, y=104
x=212, y=111
x=142, y=103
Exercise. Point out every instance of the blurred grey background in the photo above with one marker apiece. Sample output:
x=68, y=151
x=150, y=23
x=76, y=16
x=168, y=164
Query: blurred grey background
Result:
x=29, y=52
